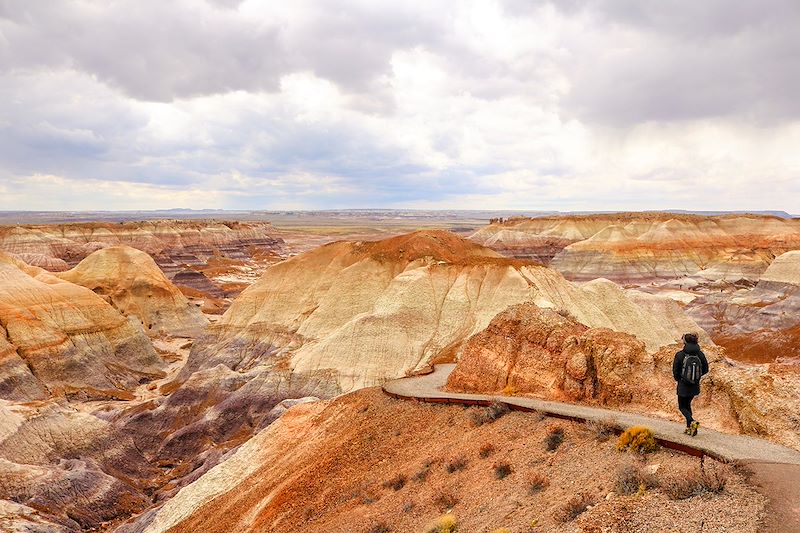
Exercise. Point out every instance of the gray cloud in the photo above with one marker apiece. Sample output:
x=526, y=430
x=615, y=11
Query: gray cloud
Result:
x=419, y=103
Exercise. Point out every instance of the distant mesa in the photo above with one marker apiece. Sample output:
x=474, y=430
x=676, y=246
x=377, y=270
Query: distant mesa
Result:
x=642, y=247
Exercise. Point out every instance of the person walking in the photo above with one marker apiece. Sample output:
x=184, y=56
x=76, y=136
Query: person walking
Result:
x=690, y=364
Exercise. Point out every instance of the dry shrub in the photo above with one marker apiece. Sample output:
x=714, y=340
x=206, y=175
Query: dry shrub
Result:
x=537, y=482
x=380, y=528
x=487, y=415
x=554, y=438
x=632, y=478
x=502, y=470
x=486, y=450
x=715, y=478
x=692, y=482
x=681, y=485
x=443, y=524
x=445, y=501
x=396, y=483
x=567, y=314
x=600, y=429
x=573, y=507
x=456, y=465
x=510, y=390
x=638, y=439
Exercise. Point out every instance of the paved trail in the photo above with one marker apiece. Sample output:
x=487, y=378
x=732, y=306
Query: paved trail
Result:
x=776, y=469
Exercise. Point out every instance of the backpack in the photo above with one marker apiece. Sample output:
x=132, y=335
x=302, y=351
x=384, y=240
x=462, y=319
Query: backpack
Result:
x=692, y=369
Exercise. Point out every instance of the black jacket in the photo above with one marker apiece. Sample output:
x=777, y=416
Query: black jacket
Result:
x=684, y=387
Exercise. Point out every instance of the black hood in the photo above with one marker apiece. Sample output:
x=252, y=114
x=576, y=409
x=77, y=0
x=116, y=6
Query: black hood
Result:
x=691, y=347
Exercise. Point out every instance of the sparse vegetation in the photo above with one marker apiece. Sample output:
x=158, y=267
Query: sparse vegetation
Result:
x=456, y=465
x=601, y=429
x=444, y=524
x=509, y=390
x=537, y=482
x=567, y=314
x=422, y=474
x=487, y=415
x=502, y=470
x=396, y=483
x=554, y=438
x=687, y=483
x=639, y=439
x=486, y=450
x=379, y=528
x=445, y=501
x=632, y=478
x=573, y=507
x=715, y=478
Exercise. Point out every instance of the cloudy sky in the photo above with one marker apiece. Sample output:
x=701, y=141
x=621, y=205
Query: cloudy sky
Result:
x=517, y=104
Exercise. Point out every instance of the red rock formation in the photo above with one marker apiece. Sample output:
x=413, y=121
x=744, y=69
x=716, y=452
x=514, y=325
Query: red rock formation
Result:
x=535, y=351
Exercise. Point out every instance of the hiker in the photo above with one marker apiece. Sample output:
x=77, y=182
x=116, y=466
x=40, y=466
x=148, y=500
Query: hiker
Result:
x=689, y=366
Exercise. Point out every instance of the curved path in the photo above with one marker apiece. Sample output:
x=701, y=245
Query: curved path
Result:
x=776, y=469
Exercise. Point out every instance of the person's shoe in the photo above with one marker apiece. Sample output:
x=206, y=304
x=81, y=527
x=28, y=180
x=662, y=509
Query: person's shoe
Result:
x=693, y=428
x=687, y=431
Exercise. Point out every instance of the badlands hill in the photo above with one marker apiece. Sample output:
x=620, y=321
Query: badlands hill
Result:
x=131, y=281
x=58, y=337
x=761, y=323
x=359, y=313
x=635, y=247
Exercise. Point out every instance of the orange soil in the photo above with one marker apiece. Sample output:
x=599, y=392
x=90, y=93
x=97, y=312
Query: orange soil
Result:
x=371, y=461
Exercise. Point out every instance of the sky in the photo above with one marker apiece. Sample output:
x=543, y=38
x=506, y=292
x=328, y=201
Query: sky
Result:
x=515, y=104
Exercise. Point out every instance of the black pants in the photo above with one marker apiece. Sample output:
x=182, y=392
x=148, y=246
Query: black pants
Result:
x=685, y=406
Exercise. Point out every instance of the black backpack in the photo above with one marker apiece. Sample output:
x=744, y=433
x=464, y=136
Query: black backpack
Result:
x=692, y=369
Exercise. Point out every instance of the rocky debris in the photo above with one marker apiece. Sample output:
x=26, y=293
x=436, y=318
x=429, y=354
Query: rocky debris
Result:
x=131, y=281
x=365, y=312
x=641, y=247
x=65, y=339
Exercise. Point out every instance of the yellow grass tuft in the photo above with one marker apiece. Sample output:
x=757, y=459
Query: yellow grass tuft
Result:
x=639, y=439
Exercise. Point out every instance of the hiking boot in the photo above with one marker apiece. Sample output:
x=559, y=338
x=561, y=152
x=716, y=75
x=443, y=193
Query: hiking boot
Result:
x=693, y=428
x=687, y=431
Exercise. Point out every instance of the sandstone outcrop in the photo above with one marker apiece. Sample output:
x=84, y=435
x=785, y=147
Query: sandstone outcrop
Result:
x=641, y=247
x=536, y=351
x=131, y=281
x=64, y=338
x=364, y=312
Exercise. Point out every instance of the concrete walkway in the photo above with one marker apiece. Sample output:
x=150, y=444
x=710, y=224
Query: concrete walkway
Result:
x=776, y=468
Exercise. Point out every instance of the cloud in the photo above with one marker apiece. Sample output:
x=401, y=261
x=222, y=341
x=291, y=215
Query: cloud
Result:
x=579, y=104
